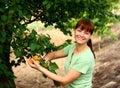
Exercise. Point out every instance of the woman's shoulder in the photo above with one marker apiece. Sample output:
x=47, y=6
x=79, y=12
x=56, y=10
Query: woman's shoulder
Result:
x=69, y=48
x=71, y=45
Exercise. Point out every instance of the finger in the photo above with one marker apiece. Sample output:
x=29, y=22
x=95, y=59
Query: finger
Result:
x=29, y=62
x=35, y=62
x=46, y=59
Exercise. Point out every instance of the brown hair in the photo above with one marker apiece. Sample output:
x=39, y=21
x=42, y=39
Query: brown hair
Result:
x=87, y=25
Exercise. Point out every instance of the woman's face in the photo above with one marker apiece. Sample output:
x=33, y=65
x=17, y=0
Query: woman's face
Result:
x=81, y=36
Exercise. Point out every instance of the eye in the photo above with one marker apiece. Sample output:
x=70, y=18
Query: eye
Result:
x=79, y=30
x=87, y=33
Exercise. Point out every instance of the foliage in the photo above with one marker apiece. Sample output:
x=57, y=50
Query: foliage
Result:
x=49, y=65
x=63, y=14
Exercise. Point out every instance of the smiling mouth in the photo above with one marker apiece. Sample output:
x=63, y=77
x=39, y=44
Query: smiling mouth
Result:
x=80, y=38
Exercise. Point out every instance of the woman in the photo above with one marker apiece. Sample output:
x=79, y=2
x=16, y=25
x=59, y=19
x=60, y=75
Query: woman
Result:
x=80, y=63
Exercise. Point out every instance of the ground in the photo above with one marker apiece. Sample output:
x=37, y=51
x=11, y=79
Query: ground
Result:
x=107, y=69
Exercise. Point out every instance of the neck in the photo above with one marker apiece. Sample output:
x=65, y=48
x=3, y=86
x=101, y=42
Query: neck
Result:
x=80, y=48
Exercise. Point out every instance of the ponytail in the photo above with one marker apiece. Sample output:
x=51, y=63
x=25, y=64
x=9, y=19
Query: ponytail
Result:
x=89, y=43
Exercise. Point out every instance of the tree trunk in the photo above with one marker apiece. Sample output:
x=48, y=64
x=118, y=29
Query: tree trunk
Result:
x=6, y=73
x=7, y=83
x=7, y=77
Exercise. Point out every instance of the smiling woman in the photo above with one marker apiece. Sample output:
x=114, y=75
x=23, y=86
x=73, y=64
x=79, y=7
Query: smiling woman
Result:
x=83, y=31
x=79, y=59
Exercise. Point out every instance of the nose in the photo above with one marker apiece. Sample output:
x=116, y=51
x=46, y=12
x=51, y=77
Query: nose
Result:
x=81, y=33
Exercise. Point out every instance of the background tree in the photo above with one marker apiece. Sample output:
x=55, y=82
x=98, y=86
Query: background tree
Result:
x=63, y=14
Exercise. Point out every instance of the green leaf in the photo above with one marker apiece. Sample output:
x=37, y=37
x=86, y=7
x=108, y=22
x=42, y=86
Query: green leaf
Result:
x=57, y=84
x=33, y=34
x=48, y=6
x=33, y=46
x=20, y=13
x=3, y=37
x=17, y=52
x=25, y=44
x=53, y=66
x=45, y=2
x=1, y=9
x=4, y=18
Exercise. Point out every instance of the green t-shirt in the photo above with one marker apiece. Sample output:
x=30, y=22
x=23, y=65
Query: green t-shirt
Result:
x=82, y=62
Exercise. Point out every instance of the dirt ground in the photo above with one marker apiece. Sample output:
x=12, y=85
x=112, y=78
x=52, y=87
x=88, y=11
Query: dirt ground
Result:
x=107, y=70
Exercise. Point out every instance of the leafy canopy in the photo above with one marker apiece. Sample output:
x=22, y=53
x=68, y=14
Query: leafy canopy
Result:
x=63, y=14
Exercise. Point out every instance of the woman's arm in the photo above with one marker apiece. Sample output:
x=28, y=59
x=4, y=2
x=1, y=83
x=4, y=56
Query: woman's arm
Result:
x=55, y=55
x=63, y=80
x=69, y=77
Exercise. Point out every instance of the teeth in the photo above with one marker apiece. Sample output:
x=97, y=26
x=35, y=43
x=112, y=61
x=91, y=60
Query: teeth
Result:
x=80, y=38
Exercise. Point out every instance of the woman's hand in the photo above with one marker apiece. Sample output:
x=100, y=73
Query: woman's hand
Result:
x=55, y=55
x=46, y=59
x=34, y=64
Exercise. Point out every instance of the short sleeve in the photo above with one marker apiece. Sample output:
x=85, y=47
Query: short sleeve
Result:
x=69, y=48
x=81, y=67
x=66, y=49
